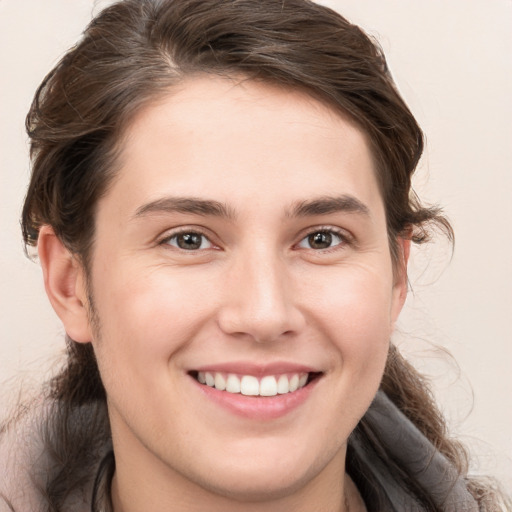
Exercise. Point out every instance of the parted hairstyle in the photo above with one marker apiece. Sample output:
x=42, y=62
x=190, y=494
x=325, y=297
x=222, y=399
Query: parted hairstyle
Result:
x=135, y=52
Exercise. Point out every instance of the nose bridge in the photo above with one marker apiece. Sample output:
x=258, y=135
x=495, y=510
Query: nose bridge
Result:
x=259, y=302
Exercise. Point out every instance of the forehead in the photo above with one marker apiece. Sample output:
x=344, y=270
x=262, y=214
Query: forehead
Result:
x=242, y=142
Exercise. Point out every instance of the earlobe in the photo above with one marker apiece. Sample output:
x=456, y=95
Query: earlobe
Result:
x=65, y=284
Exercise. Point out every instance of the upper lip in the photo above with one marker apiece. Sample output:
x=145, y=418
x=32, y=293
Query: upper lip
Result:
x=255, y=369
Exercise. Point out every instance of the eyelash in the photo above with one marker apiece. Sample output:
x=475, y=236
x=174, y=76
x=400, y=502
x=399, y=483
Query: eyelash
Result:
x=344, y=239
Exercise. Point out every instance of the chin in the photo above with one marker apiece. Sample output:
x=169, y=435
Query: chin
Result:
x=264, y=478
x=256, y=486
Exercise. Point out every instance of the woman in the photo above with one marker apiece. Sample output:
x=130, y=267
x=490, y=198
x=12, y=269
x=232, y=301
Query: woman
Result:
x=222, y=207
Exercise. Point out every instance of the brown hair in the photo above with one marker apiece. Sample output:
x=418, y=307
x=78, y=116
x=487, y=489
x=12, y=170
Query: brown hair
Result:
x=131, y=54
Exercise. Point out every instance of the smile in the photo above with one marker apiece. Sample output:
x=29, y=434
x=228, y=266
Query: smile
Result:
x=249, y=385
x=258, y=393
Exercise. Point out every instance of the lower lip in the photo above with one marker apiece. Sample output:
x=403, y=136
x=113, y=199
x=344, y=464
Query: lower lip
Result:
x=258, y=407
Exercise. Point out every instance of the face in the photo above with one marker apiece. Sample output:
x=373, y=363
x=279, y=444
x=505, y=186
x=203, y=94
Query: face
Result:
x=242, y=246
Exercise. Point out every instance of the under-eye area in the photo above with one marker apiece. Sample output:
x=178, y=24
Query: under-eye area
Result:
x=250, y=385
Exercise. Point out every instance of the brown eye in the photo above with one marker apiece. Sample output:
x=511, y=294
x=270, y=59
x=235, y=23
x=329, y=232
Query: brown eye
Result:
x=321, y=240
x=189, y=241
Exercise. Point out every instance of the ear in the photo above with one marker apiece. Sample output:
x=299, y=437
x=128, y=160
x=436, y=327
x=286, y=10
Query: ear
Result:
x=401, y=283
x=64, y=281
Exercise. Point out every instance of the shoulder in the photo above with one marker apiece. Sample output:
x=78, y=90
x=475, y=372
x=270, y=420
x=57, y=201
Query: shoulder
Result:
x=35, y=448
x=21, y=451
x=404, y=464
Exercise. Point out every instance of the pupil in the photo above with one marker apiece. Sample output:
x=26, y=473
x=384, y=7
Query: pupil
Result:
x=320, y=240
x=189, y=241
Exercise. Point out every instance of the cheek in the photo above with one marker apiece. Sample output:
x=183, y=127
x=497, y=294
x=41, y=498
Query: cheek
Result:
x=354, y=313
x=354, y=303
x=144, y=323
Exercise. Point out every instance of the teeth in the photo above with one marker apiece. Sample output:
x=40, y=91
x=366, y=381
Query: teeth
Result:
x=220, y=381
x=268, y=386
x=233, y=384
x=210, y=379
x=294, y=383
x=283, y=385
x=249, y=385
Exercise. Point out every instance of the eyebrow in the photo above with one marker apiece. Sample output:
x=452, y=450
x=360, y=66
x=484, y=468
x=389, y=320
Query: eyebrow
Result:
x=327, y=204
x=192, y=205
x=206, y=207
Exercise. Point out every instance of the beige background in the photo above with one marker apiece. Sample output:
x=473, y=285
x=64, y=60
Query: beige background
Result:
x=452, y=62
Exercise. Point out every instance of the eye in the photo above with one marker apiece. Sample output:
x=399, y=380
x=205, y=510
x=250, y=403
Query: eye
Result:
x=322, y=239
x=188, y=241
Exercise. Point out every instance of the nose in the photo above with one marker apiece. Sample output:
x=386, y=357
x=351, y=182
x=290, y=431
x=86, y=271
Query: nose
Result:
x=259, y=300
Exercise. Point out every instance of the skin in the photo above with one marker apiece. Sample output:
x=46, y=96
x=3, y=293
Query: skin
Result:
x=256, y=290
